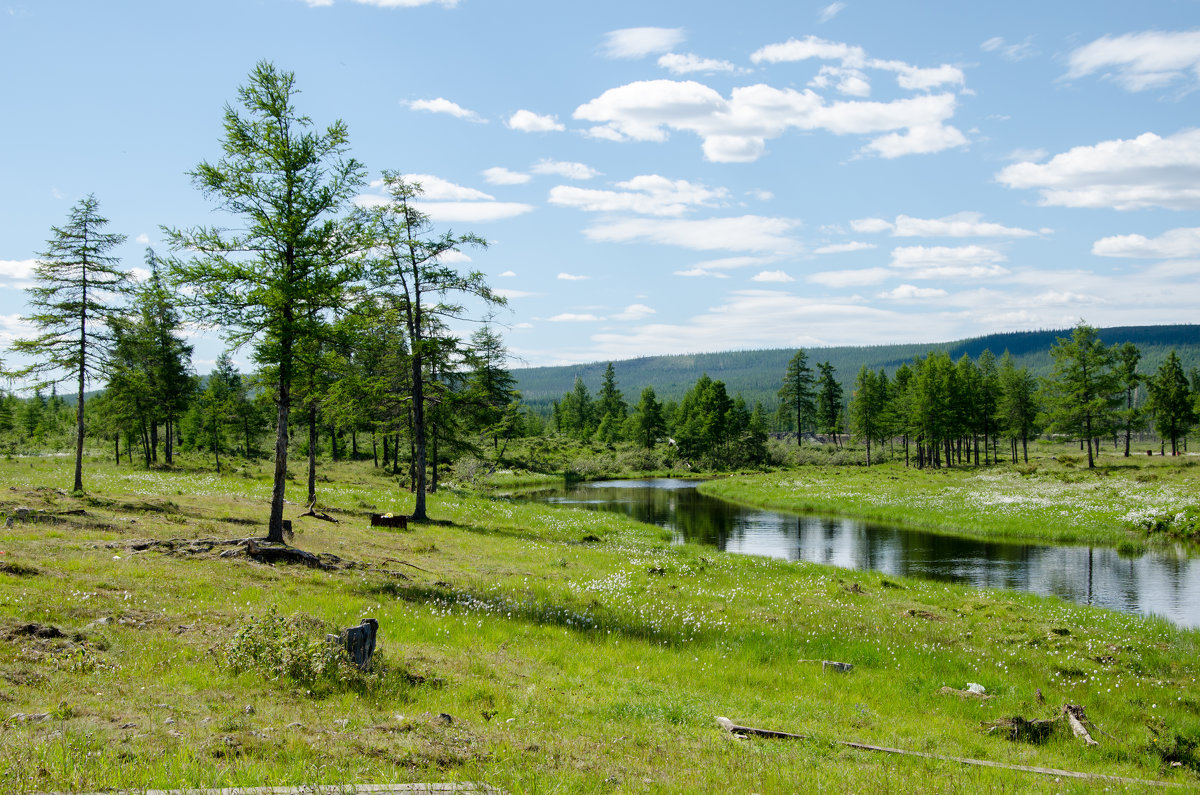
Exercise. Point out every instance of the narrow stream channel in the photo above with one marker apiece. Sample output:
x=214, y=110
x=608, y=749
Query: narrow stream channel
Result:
x=1164, y=583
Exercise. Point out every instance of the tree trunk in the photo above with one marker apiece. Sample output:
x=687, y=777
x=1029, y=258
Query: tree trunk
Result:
x=79, y=418
x=167, y=451
x=154, y=441
x=333, y=453
x=275, y=525
x=216, y=444
x=312, y=453
x=375, y=449
x=117, y=446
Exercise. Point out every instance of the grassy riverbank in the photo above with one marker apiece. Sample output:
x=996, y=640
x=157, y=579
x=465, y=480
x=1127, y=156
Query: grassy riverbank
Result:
x=1052, y=499
x=574, y=652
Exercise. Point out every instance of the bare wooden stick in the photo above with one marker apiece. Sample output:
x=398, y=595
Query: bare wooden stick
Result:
x=732, y=727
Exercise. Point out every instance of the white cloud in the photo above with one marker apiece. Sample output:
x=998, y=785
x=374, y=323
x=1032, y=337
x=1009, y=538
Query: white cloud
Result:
x=1139, y=61
x=1147, y=171
x=908, y=292
x=442, y=105
x=843, y=248
x=528, y=121
x=964, y=224
x=730, y=263
x=1018, y=155
x=1175, y=244
x=760, y=194
x=498, y=175
x=1012, y=52
x=871, y=225
x=830, y=11
x=473, y=211
x=640, y=42
x=634, y=312
x=744, y=233
x=852, y=82
x=697, y=272
x=929, y=256
x=772, y=276
x=569, y=317
x=143, y=239
x=504, y=292
x=508, y=274
x=852, y=57
x=649, y=194
x=564, y=169
x=454, y=256
x=438, y=189
x=682, y=64
x=17, y=273
x=571, y=277
x=736, y=129
x=14, y=327
x=523, y=325
x=851, y=278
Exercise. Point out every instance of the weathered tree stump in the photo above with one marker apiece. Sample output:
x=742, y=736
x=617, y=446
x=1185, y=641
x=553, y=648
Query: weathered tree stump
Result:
x=382, y=520
x=359, y=642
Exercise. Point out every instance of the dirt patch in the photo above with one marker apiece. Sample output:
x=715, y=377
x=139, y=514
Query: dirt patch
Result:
x=18, y=569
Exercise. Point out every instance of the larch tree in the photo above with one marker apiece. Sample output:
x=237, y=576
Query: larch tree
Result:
x=77, y=282
x=1082, y=394
x=273, y=280
x=412, y=264
x=1171, y=402
x=1128, y=357
x=798, y=392
x=829, y=400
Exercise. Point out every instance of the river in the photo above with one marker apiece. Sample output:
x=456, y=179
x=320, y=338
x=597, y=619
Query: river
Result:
x=1164, y=583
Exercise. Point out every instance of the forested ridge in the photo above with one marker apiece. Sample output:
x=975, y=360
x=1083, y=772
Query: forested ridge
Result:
x=755, y=374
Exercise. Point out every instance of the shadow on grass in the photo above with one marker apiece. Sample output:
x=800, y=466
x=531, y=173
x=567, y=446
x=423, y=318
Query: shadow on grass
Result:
x=594, y=621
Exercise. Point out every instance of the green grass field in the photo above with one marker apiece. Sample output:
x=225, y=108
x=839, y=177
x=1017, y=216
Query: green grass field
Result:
x=566, y=664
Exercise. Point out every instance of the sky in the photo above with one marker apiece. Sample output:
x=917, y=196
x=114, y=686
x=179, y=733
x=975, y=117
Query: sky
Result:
x=666, y=177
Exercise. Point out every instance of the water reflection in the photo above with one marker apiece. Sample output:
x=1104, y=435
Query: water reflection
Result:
x=1158, y=583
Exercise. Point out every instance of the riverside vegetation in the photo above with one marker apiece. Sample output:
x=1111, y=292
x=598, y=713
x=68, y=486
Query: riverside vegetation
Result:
x=571, y=651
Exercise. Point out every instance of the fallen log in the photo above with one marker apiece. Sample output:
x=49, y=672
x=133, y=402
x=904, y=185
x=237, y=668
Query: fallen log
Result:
x=322, y=516
x=1075, y=718
x=268, y=552
x=734, y=728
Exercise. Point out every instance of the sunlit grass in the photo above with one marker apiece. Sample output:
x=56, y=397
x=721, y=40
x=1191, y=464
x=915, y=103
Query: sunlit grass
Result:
x=567, y=665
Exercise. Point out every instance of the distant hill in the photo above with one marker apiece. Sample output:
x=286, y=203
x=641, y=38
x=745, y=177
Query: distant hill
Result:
x=757, y=374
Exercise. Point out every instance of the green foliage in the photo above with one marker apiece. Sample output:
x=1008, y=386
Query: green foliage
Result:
x=295, y=648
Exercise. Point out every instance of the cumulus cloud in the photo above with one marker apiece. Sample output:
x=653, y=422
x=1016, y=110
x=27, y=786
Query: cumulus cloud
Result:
x=843, y=248
x=649, y=194
x=908, y=292
x=508, y=274
x=964, y=224
x=948, y=262
x=17, y=273
x=498, y=175
x=442, y=105
x=528, y=121
x=143, y=239
x=438, y=189
x=744, y=233
x=682, y=64
x=561, y=168
x=506, y=293
x=736, y=129
x=1123, y=174
x=640, y=42
x=1140, y=61
x=571, y=277
x=698, y=271
x=634, y=312
x=1175, y=244
x=453, y=212
x=772, y=276
x=853, y=57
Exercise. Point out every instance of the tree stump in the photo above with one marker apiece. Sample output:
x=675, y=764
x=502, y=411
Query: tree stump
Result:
x=386, y=520
x=359, y=642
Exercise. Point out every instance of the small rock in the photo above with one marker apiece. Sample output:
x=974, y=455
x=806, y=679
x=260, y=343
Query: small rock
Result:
x=296, y=725
x=169, y=722
x=444, y=719
x=975, y=687
x=249, y=710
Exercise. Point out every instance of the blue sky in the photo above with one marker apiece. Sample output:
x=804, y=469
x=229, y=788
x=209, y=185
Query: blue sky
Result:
x=667, y=177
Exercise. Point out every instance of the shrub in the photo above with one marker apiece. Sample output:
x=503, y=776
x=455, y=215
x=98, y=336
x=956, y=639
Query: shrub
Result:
x=295, y=648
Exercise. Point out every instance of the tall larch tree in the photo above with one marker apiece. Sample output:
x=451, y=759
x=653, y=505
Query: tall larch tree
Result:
x=272, y=279
x=798, y=391
x=1082, y=395
x=412, y=265
x=77, y=280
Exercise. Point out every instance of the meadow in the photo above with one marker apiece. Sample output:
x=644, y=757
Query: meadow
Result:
x=537, y=649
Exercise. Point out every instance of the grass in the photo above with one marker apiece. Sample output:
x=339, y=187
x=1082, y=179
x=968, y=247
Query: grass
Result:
x=565, y=665
x=1051, y=499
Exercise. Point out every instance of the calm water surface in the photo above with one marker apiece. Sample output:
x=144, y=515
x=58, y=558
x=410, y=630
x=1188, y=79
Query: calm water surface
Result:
x=1159, y=583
